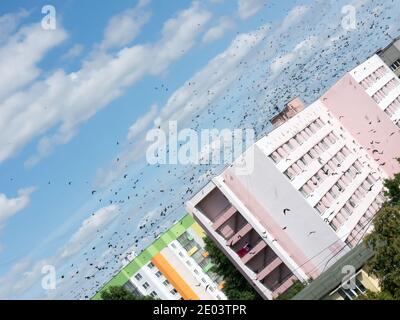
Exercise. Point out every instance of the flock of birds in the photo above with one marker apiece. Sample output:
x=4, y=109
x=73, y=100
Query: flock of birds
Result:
x=250, y=102
x=153, y=198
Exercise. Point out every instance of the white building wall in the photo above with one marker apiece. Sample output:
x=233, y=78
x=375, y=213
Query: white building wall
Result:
x=339, y=167
x=381, y=84
x=156, y=284
x=192, y=273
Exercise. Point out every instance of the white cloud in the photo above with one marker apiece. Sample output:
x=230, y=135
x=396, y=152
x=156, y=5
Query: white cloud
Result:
x=248, y=8
x=126, y=26
x=9, y=22
x=10, y=206
x=20, y=278
x=69, y=100
x=210, y=82
x=142, y=123
x=73, y=52
x=197, y=93
x=216, y=32
x=23, y=274
x=302, y=48
x=294, y=16
x=20, y=54
x=147, y=217
x=89, y=229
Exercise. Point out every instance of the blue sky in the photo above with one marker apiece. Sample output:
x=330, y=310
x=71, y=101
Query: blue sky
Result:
x=75, y=99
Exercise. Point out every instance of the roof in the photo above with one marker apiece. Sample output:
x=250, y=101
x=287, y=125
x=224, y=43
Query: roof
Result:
x=389, y=45
x=332, y=278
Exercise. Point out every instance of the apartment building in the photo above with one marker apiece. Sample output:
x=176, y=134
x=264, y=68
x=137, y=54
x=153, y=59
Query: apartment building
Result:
x=316, y=182
x=382, y=84
x=391, y=56
x=175, y=267
x=340, y=282
x=331, y=170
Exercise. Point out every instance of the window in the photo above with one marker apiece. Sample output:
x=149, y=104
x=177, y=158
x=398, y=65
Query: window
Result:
x=370, y=179
x=333, y=193
x=299, y=139
x=286, y=148
x=281, y=152
x=320, y=207
x=308, y=131
x=204, y=280
x=358, y=165
x=173, y=291
x=304, y=192
x=166, y=283
x=293, y=142
x=289, y=174
x=320, y=123
x=150, y=265
x=395, y=65
x=138, y=277
x=314, y=126
x=146, y=285
x=158, y=274
x=301, y=163
x=275, y=157
x=324, y=143
x=348, y=208
x=352, y=203
x=347, y=294
x=353, y=293
x=154, y=294
x=360, y=286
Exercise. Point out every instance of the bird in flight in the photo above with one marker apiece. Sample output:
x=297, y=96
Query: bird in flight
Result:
x=286, y=210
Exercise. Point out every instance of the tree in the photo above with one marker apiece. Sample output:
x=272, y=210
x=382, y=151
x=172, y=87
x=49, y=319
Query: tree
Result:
x=236, y=286
x=382, y=295
x=292, y=291
x=120, y=293
x=393, y=189
x=385, y=241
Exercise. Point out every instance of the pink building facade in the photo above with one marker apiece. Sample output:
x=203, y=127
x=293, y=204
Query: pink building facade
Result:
x=315, y=185
x=381, y=84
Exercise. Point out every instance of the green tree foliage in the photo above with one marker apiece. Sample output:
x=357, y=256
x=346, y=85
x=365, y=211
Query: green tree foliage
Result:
x=120, y=293
x=292, y=291
x=393, y=190
x=385, y=241
x=236, y=286
x=383, y=295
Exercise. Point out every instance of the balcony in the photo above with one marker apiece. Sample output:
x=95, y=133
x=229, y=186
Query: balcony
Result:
x=279, y=278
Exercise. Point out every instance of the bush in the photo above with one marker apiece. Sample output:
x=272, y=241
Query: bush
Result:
x=236, y=286
x=120, y=293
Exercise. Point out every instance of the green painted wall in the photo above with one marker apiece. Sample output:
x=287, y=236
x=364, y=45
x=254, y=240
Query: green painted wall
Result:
x=143, y=258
